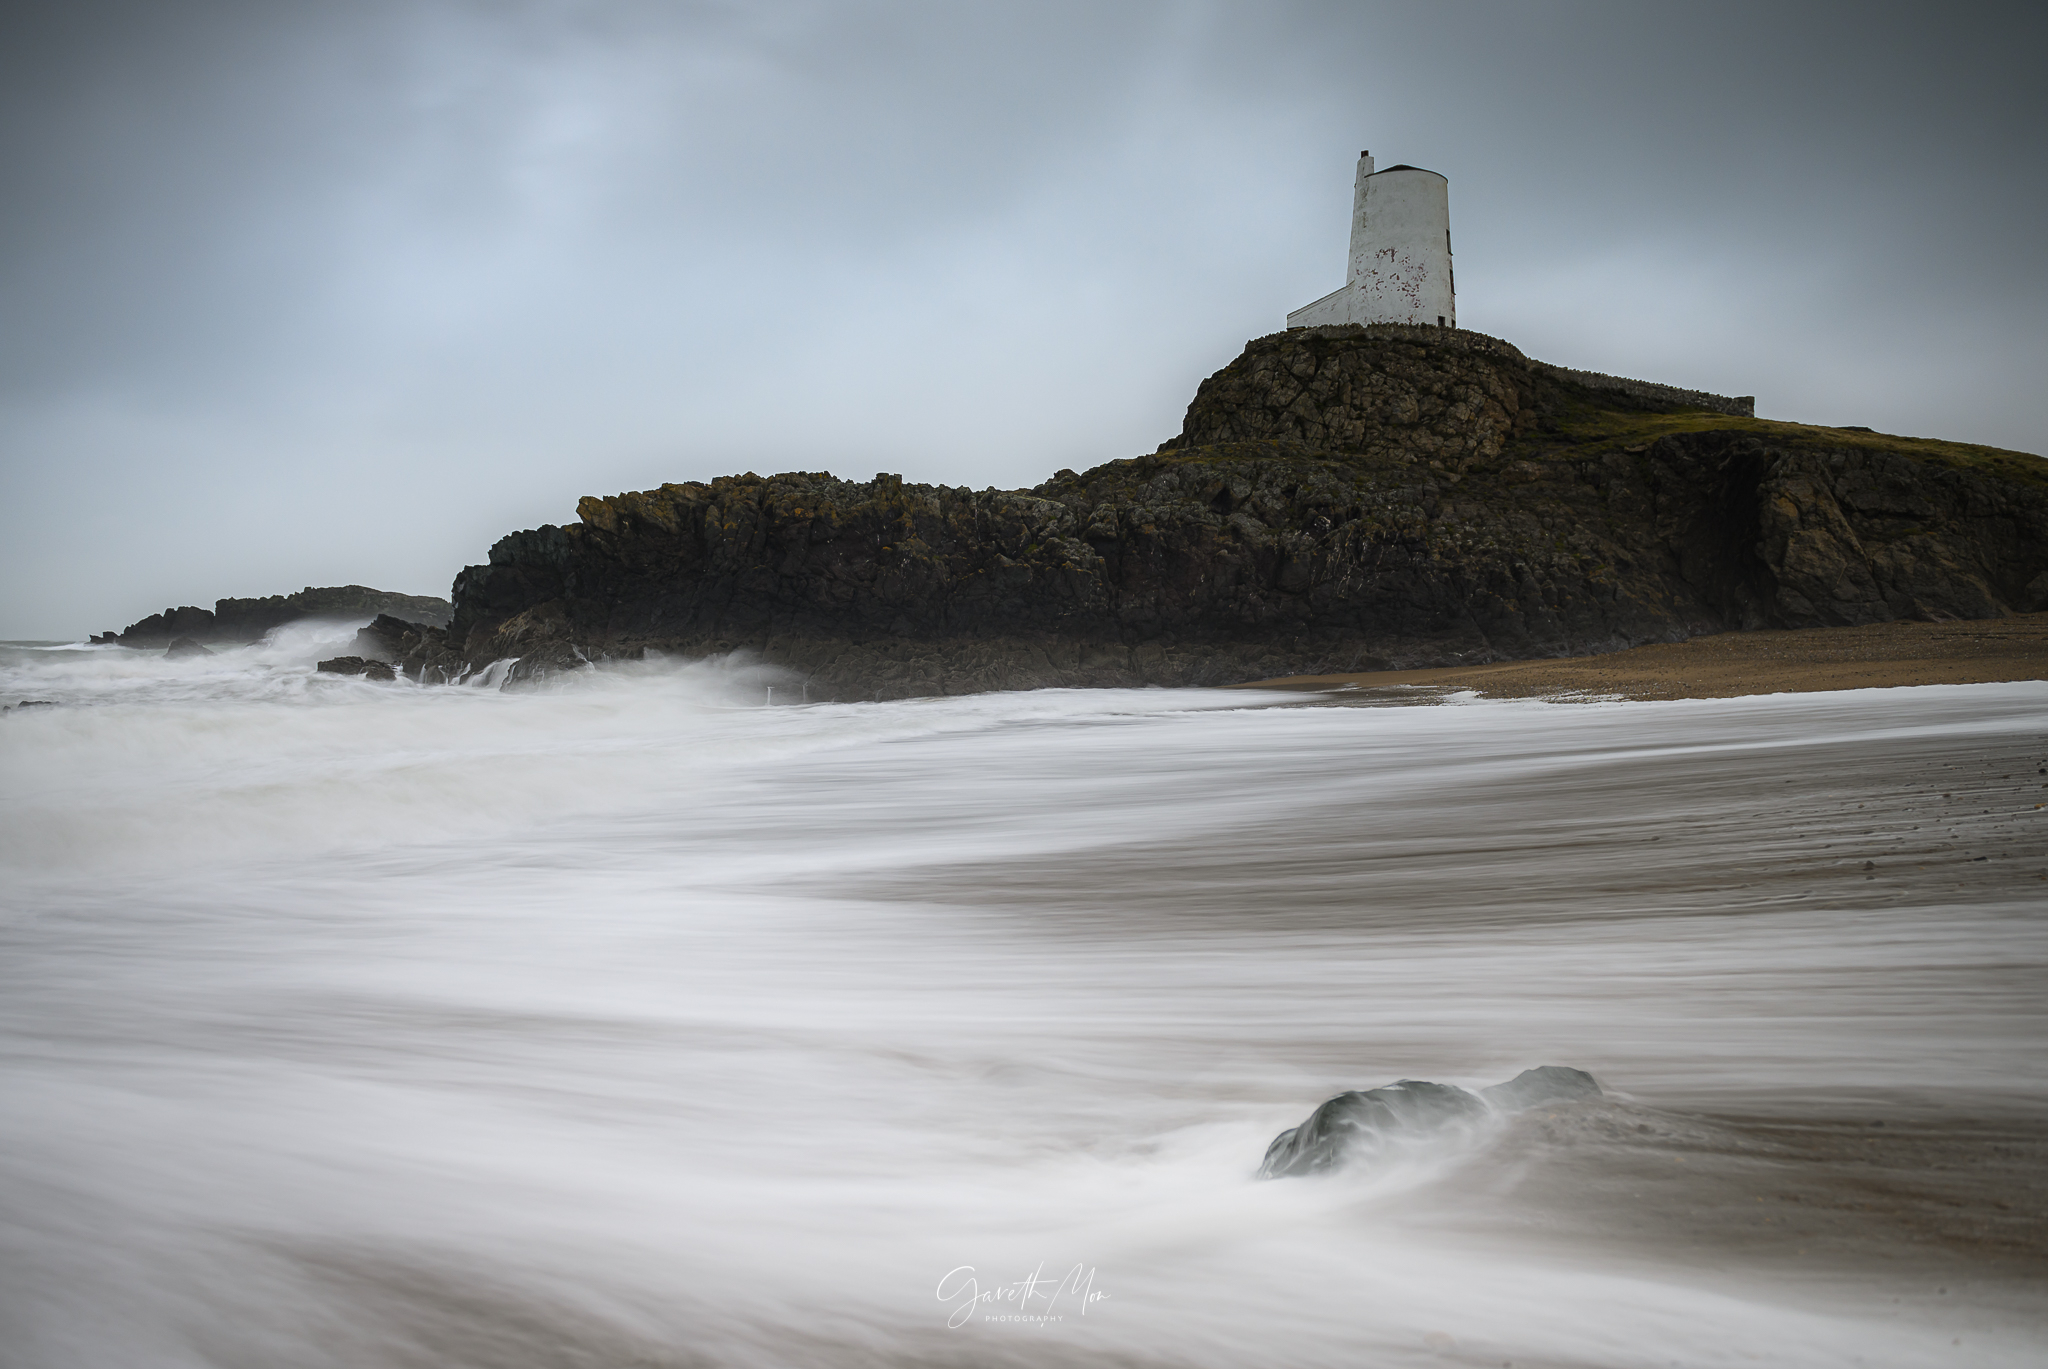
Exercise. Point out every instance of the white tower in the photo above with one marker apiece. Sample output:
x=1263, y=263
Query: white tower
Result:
x=1400, y=253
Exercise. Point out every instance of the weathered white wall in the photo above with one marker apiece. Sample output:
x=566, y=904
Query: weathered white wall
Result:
x=1400, y=270
x=1334, y=307
x=1401, y=249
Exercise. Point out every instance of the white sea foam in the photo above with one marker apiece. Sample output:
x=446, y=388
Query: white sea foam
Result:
x=632, y=1021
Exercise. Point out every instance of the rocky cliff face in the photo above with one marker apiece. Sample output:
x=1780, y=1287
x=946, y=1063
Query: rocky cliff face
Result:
x=246, y=620
x=1338, y=499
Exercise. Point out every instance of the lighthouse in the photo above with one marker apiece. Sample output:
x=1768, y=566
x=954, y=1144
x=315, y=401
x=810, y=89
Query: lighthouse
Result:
x=1400, y=253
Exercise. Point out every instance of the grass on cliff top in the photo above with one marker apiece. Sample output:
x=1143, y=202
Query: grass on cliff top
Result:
x=1604, y=430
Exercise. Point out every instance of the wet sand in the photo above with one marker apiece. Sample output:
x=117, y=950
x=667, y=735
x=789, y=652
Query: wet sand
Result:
x=1731, y=664
x=1929, y=1201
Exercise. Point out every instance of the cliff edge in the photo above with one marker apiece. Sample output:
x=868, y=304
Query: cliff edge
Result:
x=1338, y=499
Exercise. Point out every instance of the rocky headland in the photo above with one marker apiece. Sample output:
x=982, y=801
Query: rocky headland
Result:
x=246, y=620
x=1338, y=499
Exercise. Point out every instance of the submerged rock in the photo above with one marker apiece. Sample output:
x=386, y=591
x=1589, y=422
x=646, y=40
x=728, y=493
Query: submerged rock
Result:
x=1364, y=1123
x=357, y=665
x=185, y=646
x=1544, y=1084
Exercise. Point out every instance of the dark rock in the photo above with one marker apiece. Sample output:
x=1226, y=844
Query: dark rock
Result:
x=356, y=665
x=161, y=629
x=420, y=649
x=246, y=620
x=1544, y=1084
x=1362, y=1124
x=1338, y=500
x=390, y=638
x=36, y=703
x=249, y=619
x=185, y=646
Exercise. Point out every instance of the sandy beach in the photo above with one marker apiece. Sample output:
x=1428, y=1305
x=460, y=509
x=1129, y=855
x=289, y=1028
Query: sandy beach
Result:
x=1732, y=664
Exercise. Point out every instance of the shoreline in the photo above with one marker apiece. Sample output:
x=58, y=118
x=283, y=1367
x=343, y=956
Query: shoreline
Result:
x=1730, y=665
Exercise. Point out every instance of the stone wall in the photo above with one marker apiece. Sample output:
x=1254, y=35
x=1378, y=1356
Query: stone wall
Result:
x=1743, y=406
x=1465, y=340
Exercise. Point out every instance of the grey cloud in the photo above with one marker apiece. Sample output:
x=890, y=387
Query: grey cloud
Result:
x=388, y=279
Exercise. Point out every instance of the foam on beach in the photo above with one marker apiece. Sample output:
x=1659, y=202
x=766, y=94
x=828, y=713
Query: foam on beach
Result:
x=635, y=1020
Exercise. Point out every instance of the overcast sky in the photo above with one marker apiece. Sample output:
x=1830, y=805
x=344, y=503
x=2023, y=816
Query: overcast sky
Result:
x=326, y=291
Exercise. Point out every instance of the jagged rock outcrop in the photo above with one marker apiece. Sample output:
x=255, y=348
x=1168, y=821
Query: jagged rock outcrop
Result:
x=246, y=620
x=1338, y=499
x=1378, y=393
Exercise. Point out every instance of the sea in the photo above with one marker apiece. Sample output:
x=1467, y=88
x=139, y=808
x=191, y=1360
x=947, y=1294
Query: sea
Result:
x=653, y=1016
